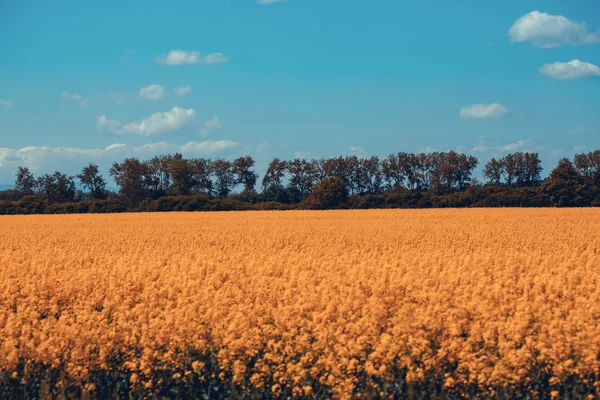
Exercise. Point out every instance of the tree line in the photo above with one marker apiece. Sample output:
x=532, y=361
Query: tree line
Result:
x=436, y=179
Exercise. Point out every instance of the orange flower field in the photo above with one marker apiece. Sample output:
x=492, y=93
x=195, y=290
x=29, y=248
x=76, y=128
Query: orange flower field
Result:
x=344, y=304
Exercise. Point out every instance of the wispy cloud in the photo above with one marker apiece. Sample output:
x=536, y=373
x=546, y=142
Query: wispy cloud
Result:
x=210, y=125
x=578, y=130
x=303, y=154
x=152, y=92
x=157, y=123
x=5, y=103
x=83, y=102
x=104, y=124
x=183, y=90
x=267, y=2
x=262, y=147
x=119, y=98
x=127, y=55
x=183, y=57
x=71, y=96
x=208, y=146
x=484, y=111
x=570, y=70
x=42, y=159
x=519, y=145
x=357, y=151
x=115, y=146
x=546, y=31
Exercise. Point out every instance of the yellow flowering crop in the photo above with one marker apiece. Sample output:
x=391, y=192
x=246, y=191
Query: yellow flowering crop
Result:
x=342, y=304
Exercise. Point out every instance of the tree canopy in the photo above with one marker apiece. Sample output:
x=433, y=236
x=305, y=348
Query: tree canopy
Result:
x=436, y=179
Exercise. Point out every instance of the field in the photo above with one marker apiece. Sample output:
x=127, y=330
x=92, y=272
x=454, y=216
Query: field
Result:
x=343, y=304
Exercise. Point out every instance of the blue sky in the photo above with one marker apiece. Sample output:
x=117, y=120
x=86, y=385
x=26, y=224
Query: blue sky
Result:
x=83, y=81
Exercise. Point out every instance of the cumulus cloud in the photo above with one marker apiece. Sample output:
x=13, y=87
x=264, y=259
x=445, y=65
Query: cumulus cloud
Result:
x=70, y=160
x=182, y=57
x=546, y=31
x=267, y=2
x=570, y=70
x=152, y=92
x=104, y=124
x=484, y=111
x=5, y=103
x=183, y=90
x=83, y=102
x=157, y=123
x=210, y=125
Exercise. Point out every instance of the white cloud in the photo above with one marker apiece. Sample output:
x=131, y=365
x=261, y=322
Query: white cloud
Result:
x=115, y=146
x=182, y=57
x=183, y=90
x=210, y=125
x=5, y=103
x=153, y=148
x=107, y=125
x=157, y=123
x=483, y=111
x=208, y=146
x=214, y=58
x=520, y=145
x=570, y=70
x=152, y=92
x=161, y=122
x=83, y=102
x=546, y=31
x=267, y=2
x=71, y=96
x=70, y=160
